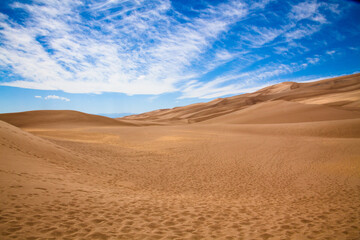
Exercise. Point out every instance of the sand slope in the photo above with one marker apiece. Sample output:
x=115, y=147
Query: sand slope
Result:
x=58, y=119
x=341, y=92
x=181, y=182
x=280, y=111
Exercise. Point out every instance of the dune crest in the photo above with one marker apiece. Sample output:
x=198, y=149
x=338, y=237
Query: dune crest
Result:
x=58, y=119
x=340, y=93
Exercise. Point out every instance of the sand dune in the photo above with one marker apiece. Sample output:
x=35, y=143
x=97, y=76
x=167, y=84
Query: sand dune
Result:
x=280, y=111
x=341, y=92
x=280, y=163
x=58, y=119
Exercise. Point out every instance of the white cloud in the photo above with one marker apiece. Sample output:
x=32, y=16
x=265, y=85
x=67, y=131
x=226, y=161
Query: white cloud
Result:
x=301, y=32
x=53, y=97
x=260, y=3
x=223, y=55
x=354, y=48
x=140, y=49
x=292, y=29
x=307, y=10
x=335, y=8
x=147, y=47
x=330, y=52
x=260, y=36
x=242, y=82
x=57, y=98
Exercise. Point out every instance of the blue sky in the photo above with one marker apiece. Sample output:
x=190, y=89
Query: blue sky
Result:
x=132, y=56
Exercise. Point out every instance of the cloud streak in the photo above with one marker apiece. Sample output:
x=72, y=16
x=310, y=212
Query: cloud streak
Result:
x=150, y=47
x=57, y=98
x=144, y=51
x=53, y=97
x=243, y=82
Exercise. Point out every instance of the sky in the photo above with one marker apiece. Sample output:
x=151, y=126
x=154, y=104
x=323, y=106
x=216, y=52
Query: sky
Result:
x=133, y=56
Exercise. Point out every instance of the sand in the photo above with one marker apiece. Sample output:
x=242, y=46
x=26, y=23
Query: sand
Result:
x=59, y=119
x=340, y=93
x=283, y=168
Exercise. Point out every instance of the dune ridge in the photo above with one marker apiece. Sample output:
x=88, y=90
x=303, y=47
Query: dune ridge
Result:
x=340, y=92
x=59, y=119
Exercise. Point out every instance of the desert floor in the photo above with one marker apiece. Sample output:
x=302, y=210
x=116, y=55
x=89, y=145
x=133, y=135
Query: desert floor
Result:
x=198, y=181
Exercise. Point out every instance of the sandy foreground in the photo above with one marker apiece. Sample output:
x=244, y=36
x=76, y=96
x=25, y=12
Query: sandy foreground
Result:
x=258, y=174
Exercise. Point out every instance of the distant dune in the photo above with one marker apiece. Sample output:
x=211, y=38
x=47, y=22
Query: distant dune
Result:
x=280, y=111
x=341, y=93
x=279, y=163
x=58, y=119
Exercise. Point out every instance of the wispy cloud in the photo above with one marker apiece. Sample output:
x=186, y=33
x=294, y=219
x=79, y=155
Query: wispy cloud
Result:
x=151, y=47
x=301, y=32
x=330, y=52
x=304, y=10
x=293, y=28
x=142, y=50
x=243, y=82
x=57, y=98
x=49, y=97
